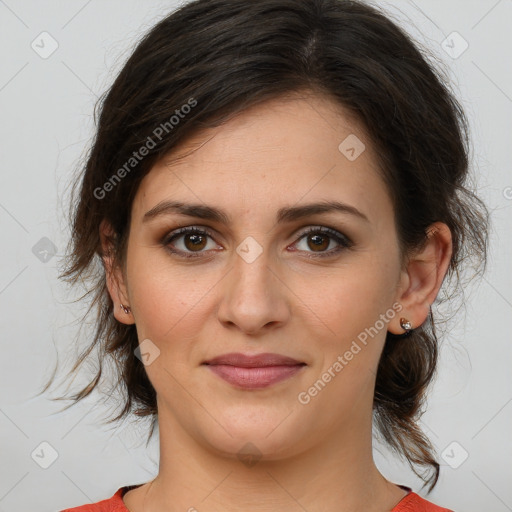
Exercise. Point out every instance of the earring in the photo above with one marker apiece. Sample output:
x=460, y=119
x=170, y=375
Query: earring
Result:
x=126, y=309
x=406, y=326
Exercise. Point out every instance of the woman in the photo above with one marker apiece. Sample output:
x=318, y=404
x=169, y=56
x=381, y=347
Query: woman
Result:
x=276, y=192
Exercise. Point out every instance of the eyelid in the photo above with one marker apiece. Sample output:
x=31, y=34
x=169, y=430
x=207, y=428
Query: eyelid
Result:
x=184, y=230
x=344, y=242
x=298, y=233
x=323, y=229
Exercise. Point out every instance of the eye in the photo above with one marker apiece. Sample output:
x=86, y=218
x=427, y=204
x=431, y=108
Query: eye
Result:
x=193, y=242
x=319, y=239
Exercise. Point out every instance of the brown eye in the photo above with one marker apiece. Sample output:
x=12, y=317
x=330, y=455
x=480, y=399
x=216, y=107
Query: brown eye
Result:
x=318, y=242
x=318, y=239
x=189, y=242
x=194, y=241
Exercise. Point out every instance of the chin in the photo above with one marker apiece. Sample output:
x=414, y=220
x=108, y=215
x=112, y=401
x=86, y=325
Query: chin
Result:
x=249, y=448
x=262, y=433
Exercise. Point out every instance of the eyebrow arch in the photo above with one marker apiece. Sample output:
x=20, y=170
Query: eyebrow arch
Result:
x=286, y=214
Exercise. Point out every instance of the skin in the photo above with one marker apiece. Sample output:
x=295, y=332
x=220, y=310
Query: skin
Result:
x=317, y=456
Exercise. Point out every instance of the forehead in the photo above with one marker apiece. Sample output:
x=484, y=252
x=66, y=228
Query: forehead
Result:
x=281, y=152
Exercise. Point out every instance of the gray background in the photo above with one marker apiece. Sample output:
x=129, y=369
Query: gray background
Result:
x=46, y=106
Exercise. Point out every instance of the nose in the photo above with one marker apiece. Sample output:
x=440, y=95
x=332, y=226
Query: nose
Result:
x=253, y=297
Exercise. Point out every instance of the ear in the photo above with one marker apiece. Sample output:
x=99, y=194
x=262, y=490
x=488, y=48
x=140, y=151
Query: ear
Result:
x=115, y=279
x=422, y=277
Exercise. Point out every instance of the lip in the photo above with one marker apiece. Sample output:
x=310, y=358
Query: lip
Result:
x=254, y=371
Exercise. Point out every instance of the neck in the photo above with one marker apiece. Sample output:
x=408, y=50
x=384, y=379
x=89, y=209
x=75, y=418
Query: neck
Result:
x=334, y=475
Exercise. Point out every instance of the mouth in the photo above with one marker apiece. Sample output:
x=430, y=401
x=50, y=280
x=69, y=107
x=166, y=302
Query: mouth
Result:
x=254, y=371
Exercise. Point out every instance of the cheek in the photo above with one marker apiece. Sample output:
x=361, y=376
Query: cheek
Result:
x=167, y=314
x=167, y=299
x=353, y=335
x=170, y=310
x=349, y=301
x=355, y=308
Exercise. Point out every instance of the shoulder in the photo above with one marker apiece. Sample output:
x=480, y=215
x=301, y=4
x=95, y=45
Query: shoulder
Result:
x=415, y=503
x=112, y=504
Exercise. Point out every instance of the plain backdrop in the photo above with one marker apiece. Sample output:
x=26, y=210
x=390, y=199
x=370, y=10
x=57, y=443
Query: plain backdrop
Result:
x=51, y=460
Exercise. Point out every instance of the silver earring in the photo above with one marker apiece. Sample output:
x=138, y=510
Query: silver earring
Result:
x=126, y=309
x=406, y=326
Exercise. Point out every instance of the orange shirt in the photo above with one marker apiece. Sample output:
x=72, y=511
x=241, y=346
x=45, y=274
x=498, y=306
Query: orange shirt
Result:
x=412, y=502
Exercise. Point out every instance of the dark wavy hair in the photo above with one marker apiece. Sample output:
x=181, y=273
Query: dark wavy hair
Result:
x=228, y=55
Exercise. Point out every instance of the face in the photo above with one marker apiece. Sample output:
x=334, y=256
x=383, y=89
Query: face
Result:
x=266, y=276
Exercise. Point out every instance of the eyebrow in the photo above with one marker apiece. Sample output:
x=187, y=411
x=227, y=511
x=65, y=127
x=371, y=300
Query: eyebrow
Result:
x=285, y=214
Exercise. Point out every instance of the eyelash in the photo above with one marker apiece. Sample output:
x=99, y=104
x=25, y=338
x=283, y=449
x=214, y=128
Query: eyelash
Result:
x=344, y=241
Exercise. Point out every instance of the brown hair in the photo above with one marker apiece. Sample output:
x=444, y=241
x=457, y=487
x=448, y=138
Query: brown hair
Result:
x=220, y=57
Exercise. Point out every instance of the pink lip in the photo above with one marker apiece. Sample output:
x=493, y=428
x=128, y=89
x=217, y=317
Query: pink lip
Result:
x=253, y=372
